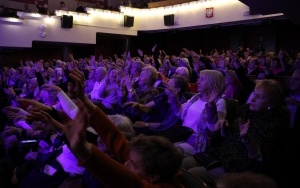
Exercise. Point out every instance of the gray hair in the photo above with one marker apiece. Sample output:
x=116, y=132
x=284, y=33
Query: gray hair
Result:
x=124, y=124
x=153, y=74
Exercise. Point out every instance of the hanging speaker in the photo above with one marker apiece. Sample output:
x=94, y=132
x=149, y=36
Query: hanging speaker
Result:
x=169, y=20
x=128, y=21
x=66, y=21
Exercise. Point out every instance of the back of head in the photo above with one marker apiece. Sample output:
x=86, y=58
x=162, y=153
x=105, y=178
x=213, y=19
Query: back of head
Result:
x=183, y=62
x=153, y=74
x=180, y=82
x=245, y=180
x=124, y=124
x=159, y=157
x=138, y=64
x=101, y=71
x=184, y=72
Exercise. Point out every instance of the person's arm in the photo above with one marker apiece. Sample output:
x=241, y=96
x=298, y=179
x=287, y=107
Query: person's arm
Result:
x=215, y=111
x=173, y=99
x=78, y=77
x=143, y=108
x=104, y=168
x=67, y=104
x=252, y=147
x=102, y=88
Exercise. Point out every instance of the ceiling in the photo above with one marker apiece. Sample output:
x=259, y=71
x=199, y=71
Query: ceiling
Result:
x=290, y=8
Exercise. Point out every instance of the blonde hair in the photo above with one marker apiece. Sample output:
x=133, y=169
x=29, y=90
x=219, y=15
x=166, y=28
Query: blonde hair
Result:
x=216, y=80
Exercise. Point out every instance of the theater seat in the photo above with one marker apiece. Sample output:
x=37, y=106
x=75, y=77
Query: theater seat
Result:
x=191, y=181
x=231, y=108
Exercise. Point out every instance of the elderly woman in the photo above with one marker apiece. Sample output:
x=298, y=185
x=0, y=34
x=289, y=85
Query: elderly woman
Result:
x=256, y=142
x=143, y=94
x=203, y=110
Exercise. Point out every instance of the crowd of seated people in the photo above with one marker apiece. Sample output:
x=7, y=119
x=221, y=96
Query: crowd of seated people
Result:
x=59, y=118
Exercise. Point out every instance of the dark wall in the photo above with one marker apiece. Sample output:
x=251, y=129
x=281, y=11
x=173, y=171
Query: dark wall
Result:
x=272, y=35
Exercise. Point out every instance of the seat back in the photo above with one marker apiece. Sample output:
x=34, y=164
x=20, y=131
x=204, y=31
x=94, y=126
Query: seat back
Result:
x=191, y=181
x=231, y=108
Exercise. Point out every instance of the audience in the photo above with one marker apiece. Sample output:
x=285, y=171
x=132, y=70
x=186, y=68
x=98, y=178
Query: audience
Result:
x=257, y=142
x=128, y=89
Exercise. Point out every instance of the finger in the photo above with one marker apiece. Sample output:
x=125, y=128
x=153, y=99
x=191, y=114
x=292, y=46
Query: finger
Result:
x=24, y=100
x=54, y=123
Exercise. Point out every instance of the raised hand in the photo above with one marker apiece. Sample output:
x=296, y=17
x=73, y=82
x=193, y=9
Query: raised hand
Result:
x=154, y=47
x=34, y=105
x=78, y=77
x=140, y=52
x=128, y=82
x=45, y=118
x=51, y=88
x=10, y=130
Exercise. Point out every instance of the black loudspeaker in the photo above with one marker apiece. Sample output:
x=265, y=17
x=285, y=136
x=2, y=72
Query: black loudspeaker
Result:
x=169, y=20
x=66, y=21
x=128, y=21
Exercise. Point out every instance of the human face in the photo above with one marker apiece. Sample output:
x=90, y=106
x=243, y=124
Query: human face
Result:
x=203, y=85
x=134, y=164
x=144, y=79
x=259, y=101
x=113, y=75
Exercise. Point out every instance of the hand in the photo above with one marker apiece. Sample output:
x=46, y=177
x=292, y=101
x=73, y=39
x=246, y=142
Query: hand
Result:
x=221, y=124
x=212, y=96
x=78, y=77
x=128, y=82
x=9, y=91
x=45, y=117
x=244, y=127
x=51, y=88
x=140, y=52
x=154, y=47
x=11, y=109
x=193, y=53
x=134, y=105
x=10, y=130
x=11, y=115
x=34, y=105
x=171, y=92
